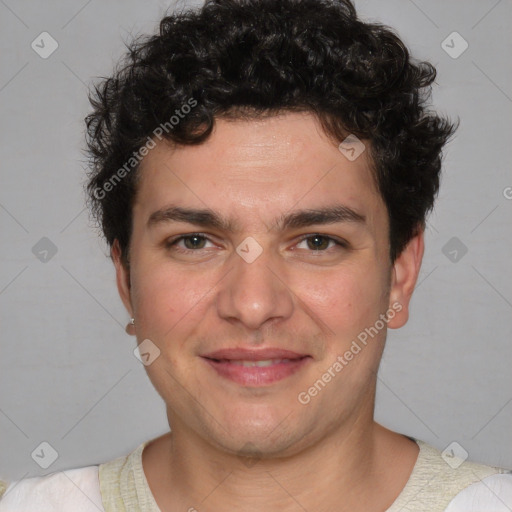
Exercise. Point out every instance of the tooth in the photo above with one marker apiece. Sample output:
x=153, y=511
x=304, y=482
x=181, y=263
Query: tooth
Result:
x=264, y=363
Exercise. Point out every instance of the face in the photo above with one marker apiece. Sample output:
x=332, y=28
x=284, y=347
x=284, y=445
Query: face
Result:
x=290, y=252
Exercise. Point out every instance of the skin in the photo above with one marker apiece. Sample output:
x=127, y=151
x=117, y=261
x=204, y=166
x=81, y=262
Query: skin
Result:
x=326, y=455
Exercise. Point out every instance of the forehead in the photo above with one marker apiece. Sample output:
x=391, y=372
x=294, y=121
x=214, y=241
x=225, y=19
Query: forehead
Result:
x=274, y=164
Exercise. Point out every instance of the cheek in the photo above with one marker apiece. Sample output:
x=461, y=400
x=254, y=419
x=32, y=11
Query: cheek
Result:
x=166, y=299
x=345, y=300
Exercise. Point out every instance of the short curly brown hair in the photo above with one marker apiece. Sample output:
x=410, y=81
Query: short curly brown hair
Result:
x=243, y=58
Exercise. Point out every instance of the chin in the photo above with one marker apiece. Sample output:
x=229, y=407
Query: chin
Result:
x=256, y=436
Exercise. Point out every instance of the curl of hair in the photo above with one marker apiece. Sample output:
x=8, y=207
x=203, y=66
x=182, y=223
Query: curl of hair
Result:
x=247, y=58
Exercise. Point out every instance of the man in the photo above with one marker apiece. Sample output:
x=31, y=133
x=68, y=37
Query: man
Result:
x=262, y=171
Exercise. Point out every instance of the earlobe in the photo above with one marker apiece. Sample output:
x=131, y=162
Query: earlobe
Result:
x=122, y=277
x=406, y=269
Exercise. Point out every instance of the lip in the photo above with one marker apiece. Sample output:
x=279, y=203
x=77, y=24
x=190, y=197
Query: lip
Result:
x=224, y=362
x=234, y=354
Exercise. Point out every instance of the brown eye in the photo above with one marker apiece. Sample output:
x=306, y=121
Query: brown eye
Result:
x=320, y=243
x=194, y=241
x=191, y=242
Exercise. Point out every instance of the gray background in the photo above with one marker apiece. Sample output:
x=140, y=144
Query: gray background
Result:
x=68, y=375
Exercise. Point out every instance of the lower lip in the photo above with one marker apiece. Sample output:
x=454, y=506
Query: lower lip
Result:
x=257, y=375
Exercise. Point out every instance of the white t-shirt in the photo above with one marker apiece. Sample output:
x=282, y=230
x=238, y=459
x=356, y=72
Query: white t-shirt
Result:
x=120, y=485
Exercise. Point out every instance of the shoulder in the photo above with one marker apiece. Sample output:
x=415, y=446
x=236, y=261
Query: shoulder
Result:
x=123, y=483
x=440, y=481
x=75, y=489
x=492, y=494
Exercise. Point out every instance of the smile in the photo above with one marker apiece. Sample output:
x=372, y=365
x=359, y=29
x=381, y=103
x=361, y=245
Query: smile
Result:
x=257, y=372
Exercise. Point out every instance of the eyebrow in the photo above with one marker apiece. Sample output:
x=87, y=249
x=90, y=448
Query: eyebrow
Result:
x=297, y=219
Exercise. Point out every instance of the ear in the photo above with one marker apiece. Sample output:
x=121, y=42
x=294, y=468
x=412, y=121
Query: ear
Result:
x=406, y=269
x=123, y=280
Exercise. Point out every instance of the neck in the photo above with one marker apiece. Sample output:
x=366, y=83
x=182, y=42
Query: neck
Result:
x=346, y=470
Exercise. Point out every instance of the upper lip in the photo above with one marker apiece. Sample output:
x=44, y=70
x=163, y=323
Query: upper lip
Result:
x=244, y=354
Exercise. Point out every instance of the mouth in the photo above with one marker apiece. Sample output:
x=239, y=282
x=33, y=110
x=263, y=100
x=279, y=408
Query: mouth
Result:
x=256, y=367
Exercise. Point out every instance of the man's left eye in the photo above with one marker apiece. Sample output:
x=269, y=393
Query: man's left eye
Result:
x=319, y=242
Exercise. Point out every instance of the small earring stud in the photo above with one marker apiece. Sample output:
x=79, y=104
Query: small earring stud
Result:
x=132, y=321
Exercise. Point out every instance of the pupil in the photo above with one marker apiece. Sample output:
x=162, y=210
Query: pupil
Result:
x=316, y=246
x=192, y=241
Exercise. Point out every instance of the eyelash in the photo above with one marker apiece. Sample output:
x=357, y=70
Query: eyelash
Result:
x=174, y=241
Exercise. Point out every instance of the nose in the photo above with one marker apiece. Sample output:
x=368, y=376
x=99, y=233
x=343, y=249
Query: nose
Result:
x=255, y=293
